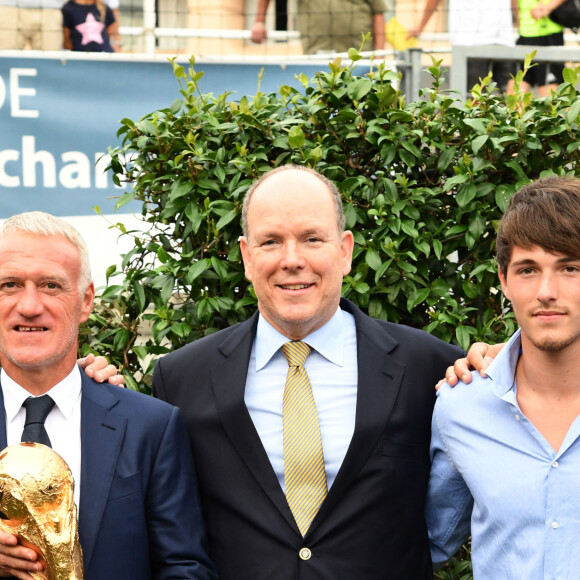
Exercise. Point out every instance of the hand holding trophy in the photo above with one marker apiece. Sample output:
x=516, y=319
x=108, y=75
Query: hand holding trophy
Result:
x=37, y=506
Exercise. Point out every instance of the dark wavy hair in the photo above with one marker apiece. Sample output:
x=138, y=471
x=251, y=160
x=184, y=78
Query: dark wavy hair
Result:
x=545, y=213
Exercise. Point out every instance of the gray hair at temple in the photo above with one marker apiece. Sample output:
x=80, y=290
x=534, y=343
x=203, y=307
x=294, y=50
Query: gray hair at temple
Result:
x=333, y=190
x=544, y=213
x=40, y=223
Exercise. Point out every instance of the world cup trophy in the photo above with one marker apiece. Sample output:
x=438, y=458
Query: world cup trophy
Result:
x=37, y=505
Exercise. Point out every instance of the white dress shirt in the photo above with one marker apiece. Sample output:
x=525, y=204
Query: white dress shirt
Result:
x=63, y=423
x=333, y=373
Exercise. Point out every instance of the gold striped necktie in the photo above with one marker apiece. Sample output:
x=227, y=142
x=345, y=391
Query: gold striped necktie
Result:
x=304, y=473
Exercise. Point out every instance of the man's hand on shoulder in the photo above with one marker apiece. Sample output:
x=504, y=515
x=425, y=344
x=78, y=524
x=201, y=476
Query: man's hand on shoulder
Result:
x=478, y=358
x=16, y=560
x=99, y=369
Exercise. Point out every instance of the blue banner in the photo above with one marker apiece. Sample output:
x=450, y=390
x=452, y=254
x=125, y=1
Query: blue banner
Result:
x=60, y=112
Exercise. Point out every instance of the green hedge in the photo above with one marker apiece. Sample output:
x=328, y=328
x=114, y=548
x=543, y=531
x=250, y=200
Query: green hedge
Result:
x=424, y=185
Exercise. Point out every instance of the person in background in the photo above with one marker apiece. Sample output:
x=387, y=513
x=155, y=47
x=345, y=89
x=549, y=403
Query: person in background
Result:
x=478, y=23
x=536, y=29
x=506, y=449
x=30, y=25
x=114, y=32
x=331, y=25
x=87, y=25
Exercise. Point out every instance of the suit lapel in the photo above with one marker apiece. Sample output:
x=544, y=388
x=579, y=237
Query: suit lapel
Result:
x=3, y=440
x=379, y=379
x=228, y=383
x=102, y=434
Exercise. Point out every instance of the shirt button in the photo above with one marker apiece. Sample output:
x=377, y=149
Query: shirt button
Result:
x=517, y=417
x=555, y=464
x=305, y=554
x=554, y=525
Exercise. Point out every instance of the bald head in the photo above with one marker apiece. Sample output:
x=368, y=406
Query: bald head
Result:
x=284, y=172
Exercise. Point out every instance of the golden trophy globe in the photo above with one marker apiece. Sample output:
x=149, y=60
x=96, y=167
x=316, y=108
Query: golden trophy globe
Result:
x=37, y=505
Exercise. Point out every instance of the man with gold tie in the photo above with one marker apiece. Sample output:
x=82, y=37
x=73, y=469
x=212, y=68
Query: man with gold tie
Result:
x=310, y=422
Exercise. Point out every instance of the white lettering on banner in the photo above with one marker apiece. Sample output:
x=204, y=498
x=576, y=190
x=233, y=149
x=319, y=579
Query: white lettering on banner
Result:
x=16, y=92
x=5, y=179
x=2, y=92
x=75, y=172
x=78, y=172
x=30, y=158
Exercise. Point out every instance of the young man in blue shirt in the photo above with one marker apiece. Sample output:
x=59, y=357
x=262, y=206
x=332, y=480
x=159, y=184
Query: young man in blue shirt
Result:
x=506, y=450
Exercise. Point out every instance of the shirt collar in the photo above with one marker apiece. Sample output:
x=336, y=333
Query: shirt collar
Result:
x=502, y=370
x=65, y=394
x=328, y=340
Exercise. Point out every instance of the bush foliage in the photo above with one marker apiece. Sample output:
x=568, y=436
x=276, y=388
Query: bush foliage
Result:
x=423, y=184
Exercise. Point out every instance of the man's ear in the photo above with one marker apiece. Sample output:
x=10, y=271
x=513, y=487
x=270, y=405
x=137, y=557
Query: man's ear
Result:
x=87, y=302
x=504, y=284
x=246, y=258
x=346, y=248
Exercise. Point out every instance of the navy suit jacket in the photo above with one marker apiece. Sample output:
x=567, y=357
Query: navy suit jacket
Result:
x=139, y=514
x=371, y=525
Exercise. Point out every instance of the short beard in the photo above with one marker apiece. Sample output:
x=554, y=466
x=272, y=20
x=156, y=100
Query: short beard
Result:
x=553, y=345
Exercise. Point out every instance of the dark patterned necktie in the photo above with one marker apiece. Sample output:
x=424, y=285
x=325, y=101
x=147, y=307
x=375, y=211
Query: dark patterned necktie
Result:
x=37, y=409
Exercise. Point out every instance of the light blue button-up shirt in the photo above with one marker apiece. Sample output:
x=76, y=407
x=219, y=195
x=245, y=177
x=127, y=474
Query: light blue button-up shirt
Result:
x=525, y=523
x=333, y=373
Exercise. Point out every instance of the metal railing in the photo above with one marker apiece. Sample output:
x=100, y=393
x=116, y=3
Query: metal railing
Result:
x=462, y=54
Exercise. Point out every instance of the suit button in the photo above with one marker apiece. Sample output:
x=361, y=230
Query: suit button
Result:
x=305, y=554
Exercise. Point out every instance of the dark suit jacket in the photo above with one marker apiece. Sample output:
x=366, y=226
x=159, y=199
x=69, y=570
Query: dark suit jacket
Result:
x=139, y=515
x=371, y=525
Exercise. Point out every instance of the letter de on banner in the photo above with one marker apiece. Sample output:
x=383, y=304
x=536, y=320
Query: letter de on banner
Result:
x=16, y=92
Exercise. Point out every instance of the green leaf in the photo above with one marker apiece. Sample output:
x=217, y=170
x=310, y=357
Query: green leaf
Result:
x=417, y=297
x=466, y=194
x=478, y=143
x=176, y=106
x=502, y=197
x=296, y=137
x=139, y=295
x=409, y=228
x=111, y=291
x=373, y=259
x=147, y=127
x=361, y=287
x=476, y=226
x=219, y=267
x=194, y=216
x=121, y=339
x=226, y=219
x=196, y=270
x=391, y=194
x=463, y=335
x=167, y=287
x=454, y=181
x=478, y=125
x=359, y=88
x=570, y=76
x=445, y=158
x=124, y=200
x=408, y=158
x=411, y=148
x=573, y=112
x=437, y=248
x=353, y=54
